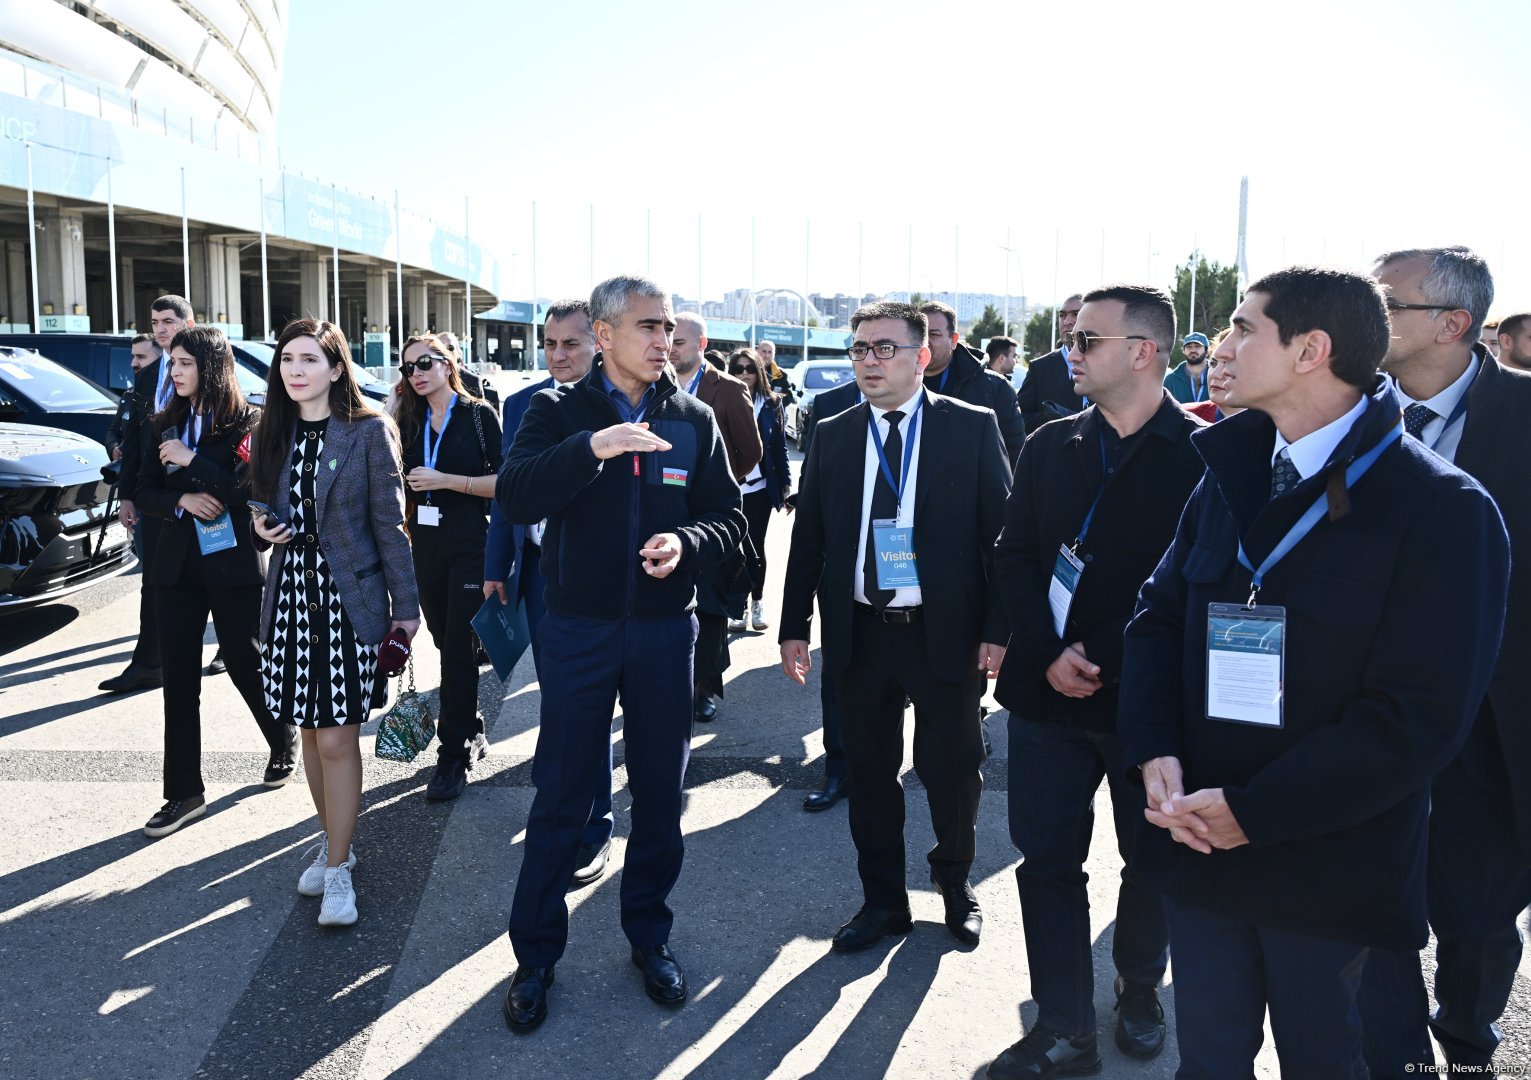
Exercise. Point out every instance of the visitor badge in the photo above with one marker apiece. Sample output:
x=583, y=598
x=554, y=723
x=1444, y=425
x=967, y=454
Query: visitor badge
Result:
x=215, y=535
x=1246, y=654
x=894, y=551
x=427, y=514
x=1060, y=592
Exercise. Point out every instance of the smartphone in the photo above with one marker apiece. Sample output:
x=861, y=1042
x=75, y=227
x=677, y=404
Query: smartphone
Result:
x=169, y=435
x=268, y=515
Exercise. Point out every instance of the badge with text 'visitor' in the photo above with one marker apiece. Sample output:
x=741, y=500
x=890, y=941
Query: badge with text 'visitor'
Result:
x=894, y=550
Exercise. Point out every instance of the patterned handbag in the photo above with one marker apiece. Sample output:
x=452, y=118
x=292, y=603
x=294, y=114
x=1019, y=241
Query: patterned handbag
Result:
x=408, y=727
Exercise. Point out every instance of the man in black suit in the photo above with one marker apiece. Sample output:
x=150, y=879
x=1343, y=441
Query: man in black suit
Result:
x=152, y=391
x=897, y=512
x=1047, y=392
x=1095, y=502
x=1472, y=412
x=960, y=372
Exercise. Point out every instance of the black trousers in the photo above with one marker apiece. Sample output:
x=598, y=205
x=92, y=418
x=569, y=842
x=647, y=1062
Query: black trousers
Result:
x=888, y=663
x=757, y=515
x=712, y=655
x=183, y=609
x=449, y=570
x=146, y=652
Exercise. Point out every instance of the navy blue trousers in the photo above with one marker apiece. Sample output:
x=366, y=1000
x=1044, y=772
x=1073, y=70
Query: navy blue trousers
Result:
x=1227, y=973
x=1477, y=884
x=598, y=829
x=587, y=665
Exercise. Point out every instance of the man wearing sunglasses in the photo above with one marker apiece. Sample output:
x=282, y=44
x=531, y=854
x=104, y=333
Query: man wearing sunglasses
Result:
x=897, y=511
x=1308, y=652
x=1095, y=503
x=1047, y=391
x=957, y=371
x=1471, y=411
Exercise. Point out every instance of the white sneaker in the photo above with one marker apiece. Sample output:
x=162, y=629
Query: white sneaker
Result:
x=311, y=881
x=757, y=616
x=339, y=906
x=736, y=626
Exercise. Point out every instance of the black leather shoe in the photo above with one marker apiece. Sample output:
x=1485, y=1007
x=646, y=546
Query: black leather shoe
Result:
x=964, y=918
x=869, y=926
x=833, y=791
x=1045, y=1053
x=133, y=678
x=1140, y=1027
x=216, y=666
x=663, y=980
x=526, y=1002
x=280, y=766
x=589, y=865
x=450, y=779
x=706, y=709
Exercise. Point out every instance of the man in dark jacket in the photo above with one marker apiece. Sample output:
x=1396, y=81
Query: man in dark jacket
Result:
x=960, y=372
x=144, y=351
x=633, y=480
x=1047, y=392
x=1094, y=504
x=1472, y=412
x=1312, y=647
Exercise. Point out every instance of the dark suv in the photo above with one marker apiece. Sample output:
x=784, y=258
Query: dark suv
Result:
x=107, y=359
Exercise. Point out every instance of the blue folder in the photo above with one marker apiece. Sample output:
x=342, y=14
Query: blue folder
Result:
x=503, y=631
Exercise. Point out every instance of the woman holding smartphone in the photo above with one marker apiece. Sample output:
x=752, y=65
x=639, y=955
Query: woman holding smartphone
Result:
x=326, y=471
x=451, y=444
x=204, y=563
x=766, y=488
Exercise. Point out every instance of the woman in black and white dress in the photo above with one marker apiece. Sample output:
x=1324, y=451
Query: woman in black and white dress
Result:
x=327, y=464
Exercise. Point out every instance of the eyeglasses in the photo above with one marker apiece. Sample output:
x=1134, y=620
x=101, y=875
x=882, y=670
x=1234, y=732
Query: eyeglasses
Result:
x=424, y=364
x=883, y=350
x=1082, y=341
x=1394, y=305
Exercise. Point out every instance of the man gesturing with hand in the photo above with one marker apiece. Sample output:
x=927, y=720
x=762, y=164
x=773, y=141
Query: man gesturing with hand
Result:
x=634, y=484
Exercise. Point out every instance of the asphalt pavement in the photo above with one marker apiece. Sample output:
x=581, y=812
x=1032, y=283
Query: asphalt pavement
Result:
x=194, y=956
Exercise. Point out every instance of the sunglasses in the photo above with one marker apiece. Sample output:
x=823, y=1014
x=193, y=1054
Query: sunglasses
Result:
x=423, y=364
x=1082, y=341
x=741, y=371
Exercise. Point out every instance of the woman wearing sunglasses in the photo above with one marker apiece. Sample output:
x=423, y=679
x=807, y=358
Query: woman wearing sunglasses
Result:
x=205, y=563
x=767, y=486
x=326, y=468
x=451, y=444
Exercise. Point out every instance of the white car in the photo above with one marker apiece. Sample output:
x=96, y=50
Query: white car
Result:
x=809, y=379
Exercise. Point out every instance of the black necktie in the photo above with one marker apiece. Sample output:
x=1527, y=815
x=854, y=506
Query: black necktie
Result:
x=884, y=508
x=1415, y=417
x=1284, y=475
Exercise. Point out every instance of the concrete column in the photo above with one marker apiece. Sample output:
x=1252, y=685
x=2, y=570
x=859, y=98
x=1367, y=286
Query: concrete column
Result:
x=61, y=261
x=127, y=311
x=314, y=285
x=379, y=294
x=417, y=301
x=215, y=279
x=14, y=285
x=441, y=309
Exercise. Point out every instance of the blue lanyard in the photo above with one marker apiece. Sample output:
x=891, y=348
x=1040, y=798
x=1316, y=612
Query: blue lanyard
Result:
x=166, y=389
x=1198, y=389
x=192, y=435
x=434, y=452
x=696, y=380
x=941, y=382
x=882, y=455
x=1456, y=414
x=1104, y=480
x=1320, y=506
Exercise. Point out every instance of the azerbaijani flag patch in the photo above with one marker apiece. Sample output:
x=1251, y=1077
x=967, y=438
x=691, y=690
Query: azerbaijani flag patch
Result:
x=676, y=477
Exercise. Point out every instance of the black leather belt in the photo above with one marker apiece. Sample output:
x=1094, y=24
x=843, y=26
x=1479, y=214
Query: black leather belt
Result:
x=893, y=616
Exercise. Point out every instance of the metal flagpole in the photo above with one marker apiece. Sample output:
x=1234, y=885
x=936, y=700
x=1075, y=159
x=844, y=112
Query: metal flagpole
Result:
x=1006, y=330
x=1190, y=315
x=37, y=307
x=909, y=266
x=807, y=242
x=592, y=247
x=956, y=272
x=700, y=292
x=111, y=247
x=648, y=245
x=185, y=244
x=467, y=280
x=265, y=276
x=335, y=248
x=754, y=312
x=1057, y=248
x=398, y=267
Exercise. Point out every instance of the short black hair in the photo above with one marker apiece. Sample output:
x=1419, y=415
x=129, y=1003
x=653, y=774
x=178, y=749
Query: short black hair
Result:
x=999, y=346
x=1511, y=324
x=935, y=307
x=178, y=304
x=1350, y=308
x=1148, y=310
x=563, y=309
x=139, y=339
x=892, y=309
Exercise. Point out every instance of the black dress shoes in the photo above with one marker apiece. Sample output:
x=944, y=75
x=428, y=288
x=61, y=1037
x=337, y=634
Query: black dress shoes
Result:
x=1140, y=1027
x=526, y=1002
x=449, y=780
x=706, y=709
x=589, y=865
x=832, y=792
x=216, y=666
x=869, y=926
x=133, y=678
x=282, y=763
x=663, y=979
x=964, y=918
x=1044, y=1053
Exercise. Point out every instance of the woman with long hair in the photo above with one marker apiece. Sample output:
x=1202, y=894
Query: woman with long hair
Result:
x=327, y=465
x=451, y=441
x=767, y=486
x=205, y=563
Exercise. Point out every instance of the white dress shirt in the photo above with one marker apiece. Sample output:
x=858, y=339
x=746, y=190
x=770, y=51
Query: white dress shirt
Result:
x=1444, y=441
x=1309, y=453
x=871, y=475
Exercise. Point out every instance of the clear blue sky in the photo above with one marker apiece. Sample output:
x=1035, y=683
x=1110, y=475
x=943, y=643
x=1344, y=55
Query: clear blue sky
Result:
x=1118, y=138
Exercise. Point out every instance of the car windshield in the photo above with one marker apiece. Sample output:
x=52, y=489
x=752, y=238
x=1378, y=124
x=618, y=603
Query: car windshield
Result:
x=826, y=378
x=249, y=381
x=53, y=387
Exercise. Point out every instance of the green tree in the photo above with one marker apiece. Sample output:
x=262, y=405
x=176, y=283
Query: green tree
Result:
x=1217, y=294
x=1038, y=337
x=988, y=325
x=915, y=299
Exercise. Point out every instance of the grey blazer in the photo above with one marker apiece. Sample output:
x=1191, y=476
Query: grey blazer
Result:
x=360, y=496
